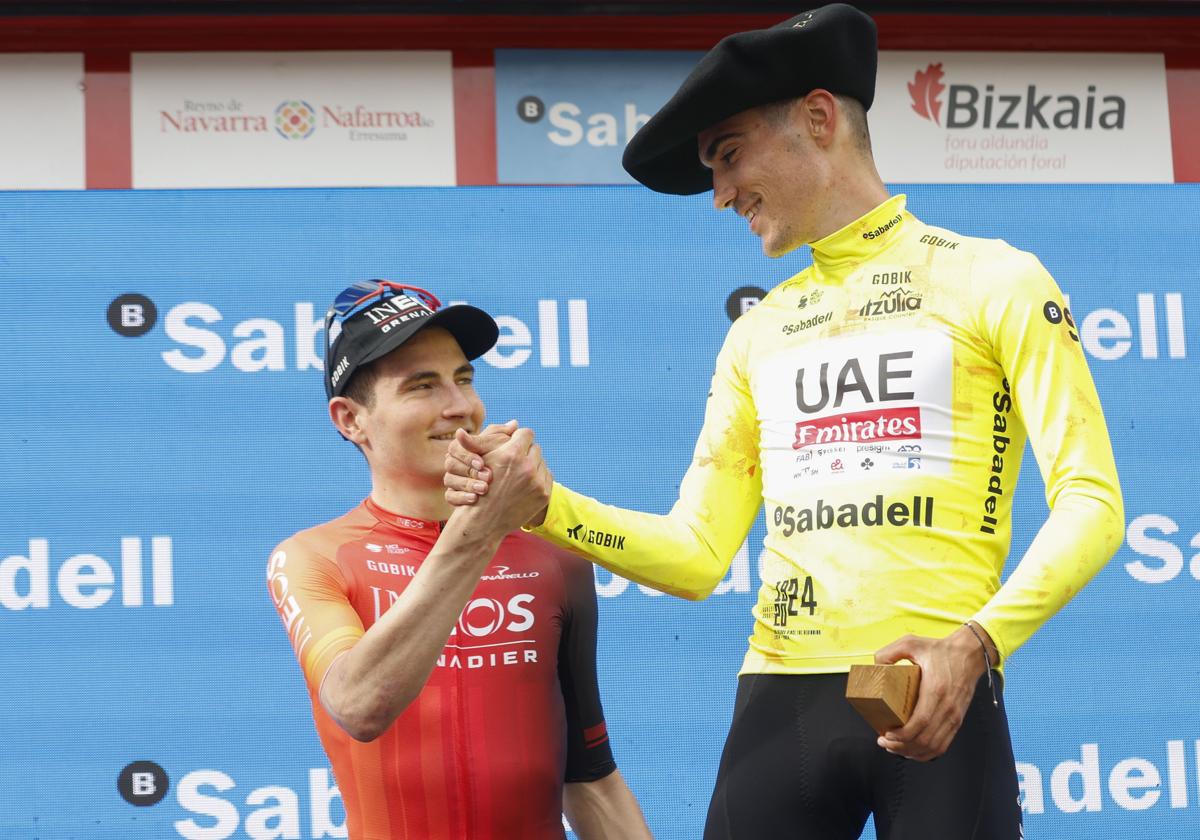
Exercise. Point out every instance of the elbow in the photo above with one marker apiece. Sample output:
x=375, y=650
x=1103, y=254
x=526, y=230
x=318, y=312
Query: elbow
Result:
x=365, y=728
x=361, y=732
x=1117, y=518
x=1112, y=517
x=700, y=593
x=365, y=722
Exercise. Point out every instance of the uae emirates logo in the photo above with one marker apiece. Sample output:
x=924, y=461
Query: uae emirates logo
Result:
x=926, y=91
x=295, y=119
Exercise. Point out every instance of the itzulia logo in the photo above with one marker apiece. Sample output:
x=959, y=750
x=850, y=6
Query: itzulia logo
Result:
x=295, y=119
x=967, y=106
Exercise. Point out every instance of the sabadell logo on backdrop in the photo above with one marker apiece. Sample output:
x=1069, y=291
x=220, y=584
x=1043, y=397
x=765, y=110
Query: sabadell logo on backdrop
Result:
x=203, y=338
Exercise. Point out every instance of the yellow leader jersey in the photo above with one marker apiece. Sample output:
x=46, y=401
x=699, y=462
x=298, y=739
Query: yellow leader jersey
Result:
x=878, y=403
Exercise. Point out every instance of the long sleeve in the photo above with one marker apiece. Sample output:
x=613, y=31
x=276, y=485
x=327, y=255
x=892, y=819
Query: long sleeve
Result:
x=1036, y=343
x=687, y=551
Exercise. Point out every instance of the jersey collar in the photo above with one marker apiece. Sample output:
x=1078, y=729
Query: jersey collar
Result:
x=396, y=520
x=865, y=236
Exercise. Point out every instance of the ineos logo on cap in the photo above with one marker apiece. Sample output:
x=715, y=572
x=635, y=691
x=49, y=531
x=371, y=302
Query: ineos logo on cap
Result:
x=143, y=783
x=132, y=315
x=740, y=300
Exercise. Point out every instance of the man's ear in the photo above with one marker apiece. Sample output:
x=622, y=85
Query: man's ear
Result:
x=819, y=116
x=344, y=413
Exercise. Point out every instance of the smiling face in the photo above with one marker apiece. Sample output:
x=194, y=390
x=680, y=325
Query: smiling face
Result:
x=771, y=165
x=423, y=391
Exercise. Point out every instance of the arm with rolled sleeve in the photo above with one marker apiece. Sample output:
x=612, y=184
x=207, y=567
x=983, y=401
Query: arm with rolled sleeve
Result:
x=687, y=551
x=1036, y=343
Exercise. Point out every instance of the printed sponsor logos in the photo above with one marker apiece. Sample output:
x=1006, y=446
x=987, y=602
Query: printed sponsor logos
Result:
x=741, y=299
x=132, y=315
x=604, y=539
x=202, y=342
x=87, y=581
x=482, y=618
x=1057, y=313
x=292, y=119
x=503, y=573
x=217, y=810
x=565, y=116
x=892, y=303
x=1160, y=560
x=910, y=456
x=823, y=516
x=739, y=580
x=294, y=622
x=853, y=398
x=1024, y=108
x=939, y=242
x=1108, y=334
x=883, y=228
x=1002, y=403
x=807, y=323
x=295, y=120
x=813, y=297
x=980, y=116
x=887, y=424
x=1133, y=783
x=343, y=365
x=887, y=376
x=568, y=122
x=396, y=310
x=386, y=568
x=143, y=783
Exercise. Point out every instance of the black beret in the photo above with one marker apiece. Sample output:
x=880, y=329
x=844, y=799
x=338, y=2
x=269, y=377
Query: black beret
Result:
x=833, y=47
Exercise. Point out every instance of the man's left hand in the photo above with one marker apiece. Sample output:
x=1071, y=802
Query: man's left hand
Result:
x=950, y=668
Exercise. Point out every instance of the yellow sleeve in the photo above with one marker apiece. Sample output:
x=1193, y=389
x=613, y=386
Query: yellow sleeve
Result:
x=1035, y=340
x=688, y=551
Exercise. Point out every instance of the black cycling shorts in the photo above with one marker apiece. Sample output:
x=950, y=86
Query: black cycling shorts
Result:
x=800, y=764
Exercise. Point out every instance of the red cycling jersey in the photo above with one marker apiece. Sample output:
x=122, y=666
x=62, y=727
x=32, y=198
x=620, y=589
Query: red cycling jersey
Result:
x=511, y=710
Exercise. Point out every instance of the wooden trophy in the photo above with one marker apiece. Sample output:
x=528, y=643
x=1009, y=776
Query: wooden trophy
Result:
x=884, y=694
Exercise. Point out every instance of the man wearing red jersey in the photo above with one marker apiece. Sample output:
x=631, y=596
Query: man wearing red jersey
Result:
x=450, y=659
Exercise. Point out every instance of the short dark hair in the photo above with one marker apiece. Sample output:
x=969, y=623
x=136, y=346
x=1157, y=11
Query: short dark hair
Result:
x=852, y=109
x=361, y=386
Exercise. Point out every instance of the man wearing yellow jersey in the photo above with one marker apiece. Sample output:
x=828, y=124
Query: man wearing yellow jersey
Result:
x=878, y=403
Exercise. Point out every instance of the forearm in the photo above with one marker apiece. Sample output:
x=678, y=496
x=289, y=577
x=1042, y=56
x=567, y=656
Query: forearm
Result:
x=679, y=553
x=372, y=683
x=1081, y=534
x=604, y=810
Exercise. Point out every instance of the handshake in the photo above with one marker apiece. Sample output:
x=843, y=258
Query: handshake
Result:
x=501, y=473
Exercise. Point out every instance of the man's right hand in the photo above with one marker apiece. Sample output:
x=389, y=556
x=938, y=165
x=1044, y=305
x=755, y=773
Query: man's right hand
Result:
x=515, y=480
x=467, y=475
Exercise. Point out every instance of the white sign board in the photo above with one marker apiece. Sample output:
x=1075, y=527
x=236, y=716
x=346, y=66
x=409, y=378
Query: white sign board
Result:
x=299, y=119
x=42, y=144
x=979, y=117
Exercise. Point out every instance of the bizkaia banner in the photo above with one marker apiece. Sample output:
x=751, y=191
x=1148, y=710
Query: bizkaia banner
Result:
x=44, y=150
x=292, y=119
x=970, y=117
x=565, y=116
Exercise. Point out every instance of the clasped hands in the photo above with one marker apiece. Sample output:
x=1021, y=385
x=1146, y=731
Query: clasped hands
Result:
x=504, y=461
